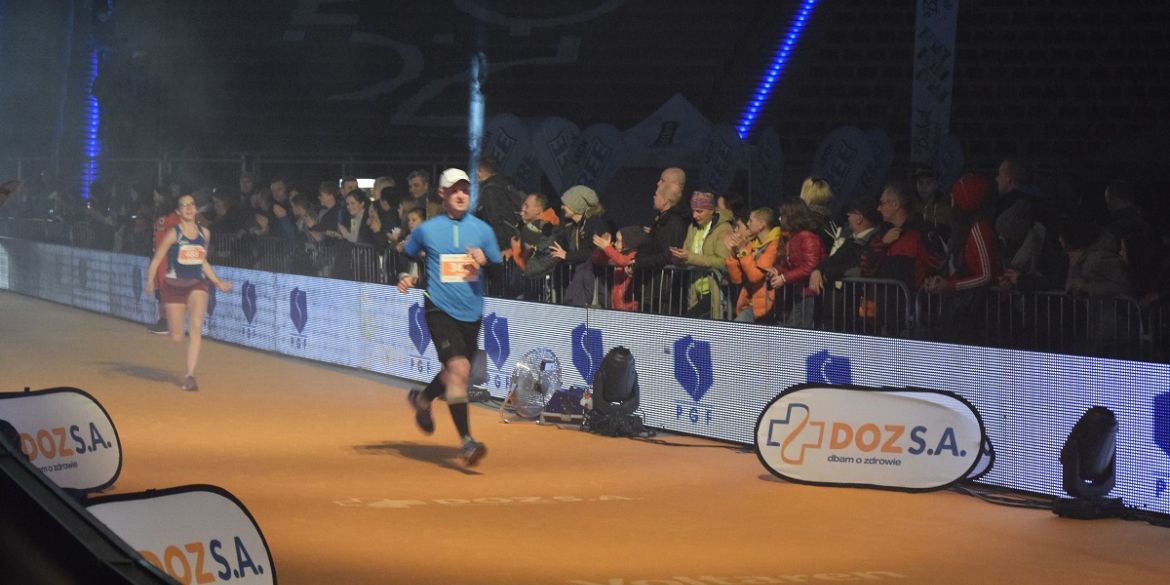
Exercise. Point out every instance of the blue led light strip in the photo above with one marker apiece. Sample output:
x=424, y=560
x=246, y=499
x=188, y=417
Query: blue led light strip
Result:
x=764, y=90
x=93, y=146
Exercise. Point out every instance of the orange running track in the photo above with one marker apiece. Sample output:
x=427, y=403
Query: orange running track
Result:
x=347, y=491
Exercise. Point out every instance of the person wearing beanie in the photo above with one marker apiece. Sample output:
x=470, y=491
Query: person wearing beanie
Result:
x=975, y=250
x=575, y=246
x=579, y=199
x=933, y=204
x=856, y=255
x=704, y=247
x=458, y=246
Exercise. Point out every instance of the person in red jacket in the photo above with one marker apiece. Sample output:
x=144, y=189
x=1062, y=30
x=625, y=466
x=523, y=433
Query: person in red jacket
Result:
x=621, y=253
x=975, y=248
x=803, y=252
x=976, y=260
x=163, y=225
x=909, y=255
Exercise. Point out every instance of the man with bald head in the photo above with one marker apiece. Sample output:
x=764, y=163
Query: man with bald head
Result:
x=668, y=230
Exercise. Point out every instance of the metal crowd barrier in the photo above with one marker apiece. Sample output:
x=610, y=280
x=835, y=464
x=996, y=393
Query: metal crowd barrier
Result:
x=1046, y=321
x=1039, y=321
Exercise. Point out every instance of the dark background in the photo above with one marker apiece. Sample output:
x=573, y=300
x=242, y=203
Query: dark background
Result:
x=1080, y=89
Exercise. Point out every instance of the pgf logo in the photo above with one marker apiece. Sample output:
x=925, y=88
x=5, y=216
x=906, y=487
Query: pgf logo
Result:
x=248, y=305
x=210, y=562
x=823, y=367
x=248, y=301
x=136, y=282
x=298, y=312
x=1162, y=435
x=496, y=344
x=910, y=439
x=692, y=370
x=587, y=351
x=83, y=274
x=420, y=336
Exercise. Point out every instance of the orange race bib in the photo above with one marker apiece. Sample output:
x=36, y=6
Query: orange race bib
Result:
x=192, y=255
x=458, y=268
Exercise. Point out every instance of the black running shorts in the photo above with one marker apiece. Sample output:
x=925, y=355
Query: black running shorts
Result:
x=451, y=336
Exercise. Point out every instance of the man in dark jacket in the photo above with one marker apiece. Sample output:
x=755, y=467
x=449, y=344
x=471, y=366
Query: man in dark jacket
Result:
x=668, y=230
x=499, y=201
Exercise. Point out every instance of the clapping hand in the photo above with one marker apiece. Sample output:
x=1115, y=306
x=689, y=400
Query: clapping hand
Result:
x=556, y=251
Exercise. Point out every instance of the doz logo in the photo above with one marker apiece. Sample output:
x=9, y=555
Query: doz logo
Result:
x=823, y=367
x=136, y=282
x=248, y=300
x=420, y=336
x=61, y=443
x=495, y=339
x=692, y=366
x=298, y=309
x=587, y=351
x=205, y=562
x=910, y=439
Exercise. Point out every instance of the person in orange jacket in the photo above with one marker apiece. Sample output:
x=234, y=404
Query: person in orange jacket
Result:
x=753, y=252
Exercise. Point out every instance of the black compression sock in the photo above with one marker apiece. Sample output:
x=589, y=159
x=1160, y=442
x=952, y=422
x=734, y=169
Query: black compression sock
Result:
x=435, y=389
x=459, y=415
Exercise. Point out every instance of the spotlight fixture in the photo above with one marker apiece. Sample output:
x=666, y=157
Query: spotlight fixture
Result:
x=615, y=384
x=1089, y=460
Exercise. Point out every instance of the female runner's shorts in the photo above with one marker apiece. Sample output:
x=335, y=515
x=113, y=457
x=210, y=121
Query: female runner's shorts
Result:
x=176, y=290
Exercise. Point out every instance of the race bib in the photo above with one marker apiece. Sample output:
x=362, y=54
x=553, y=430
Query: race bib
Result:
x=458, y=268
x=191, y=255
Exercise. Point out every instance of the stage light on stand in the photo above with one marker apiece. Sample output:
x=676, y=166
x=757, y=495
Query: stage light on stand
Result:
x=1089, y=461
x=615, y=384
x=615, y=397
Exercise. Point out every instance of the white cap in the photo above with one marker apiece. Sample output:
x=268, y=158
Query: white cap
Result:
x=452, y=176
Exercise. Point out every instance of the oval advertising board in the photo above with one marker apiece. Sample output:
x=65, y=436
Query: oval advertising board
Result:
x=904, y=439
x=194, y=533
x=66, y=434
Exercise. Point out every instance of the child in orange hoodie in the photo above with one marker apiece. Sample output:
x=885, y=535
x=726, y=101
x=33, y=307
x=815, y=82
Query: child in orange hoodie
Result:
x=752, y=254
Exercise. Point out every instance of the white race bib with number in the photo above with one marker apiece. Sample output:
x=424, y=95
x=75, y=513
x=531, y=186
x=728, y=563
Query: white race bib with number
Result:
x=458, y=268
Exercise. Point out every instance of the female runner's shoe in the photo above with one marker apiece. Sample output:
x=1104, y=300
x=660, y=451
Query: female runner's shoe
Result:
x=189, y=384
x=422, y=416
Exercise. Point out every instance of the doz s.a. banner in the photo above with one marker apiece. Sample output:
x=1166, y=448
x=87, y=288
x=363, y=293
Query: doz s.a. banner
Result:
x=66, y=434
x=906, y=439
x=194, y=533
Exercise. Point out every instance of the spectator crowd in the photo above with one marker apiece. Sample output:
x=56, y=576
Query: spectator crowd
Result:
x=919, y=258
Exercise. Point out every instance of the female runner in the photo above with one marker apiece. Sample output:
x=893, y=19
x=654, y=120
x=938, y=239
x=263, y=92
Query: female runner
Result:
x=185, y=289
